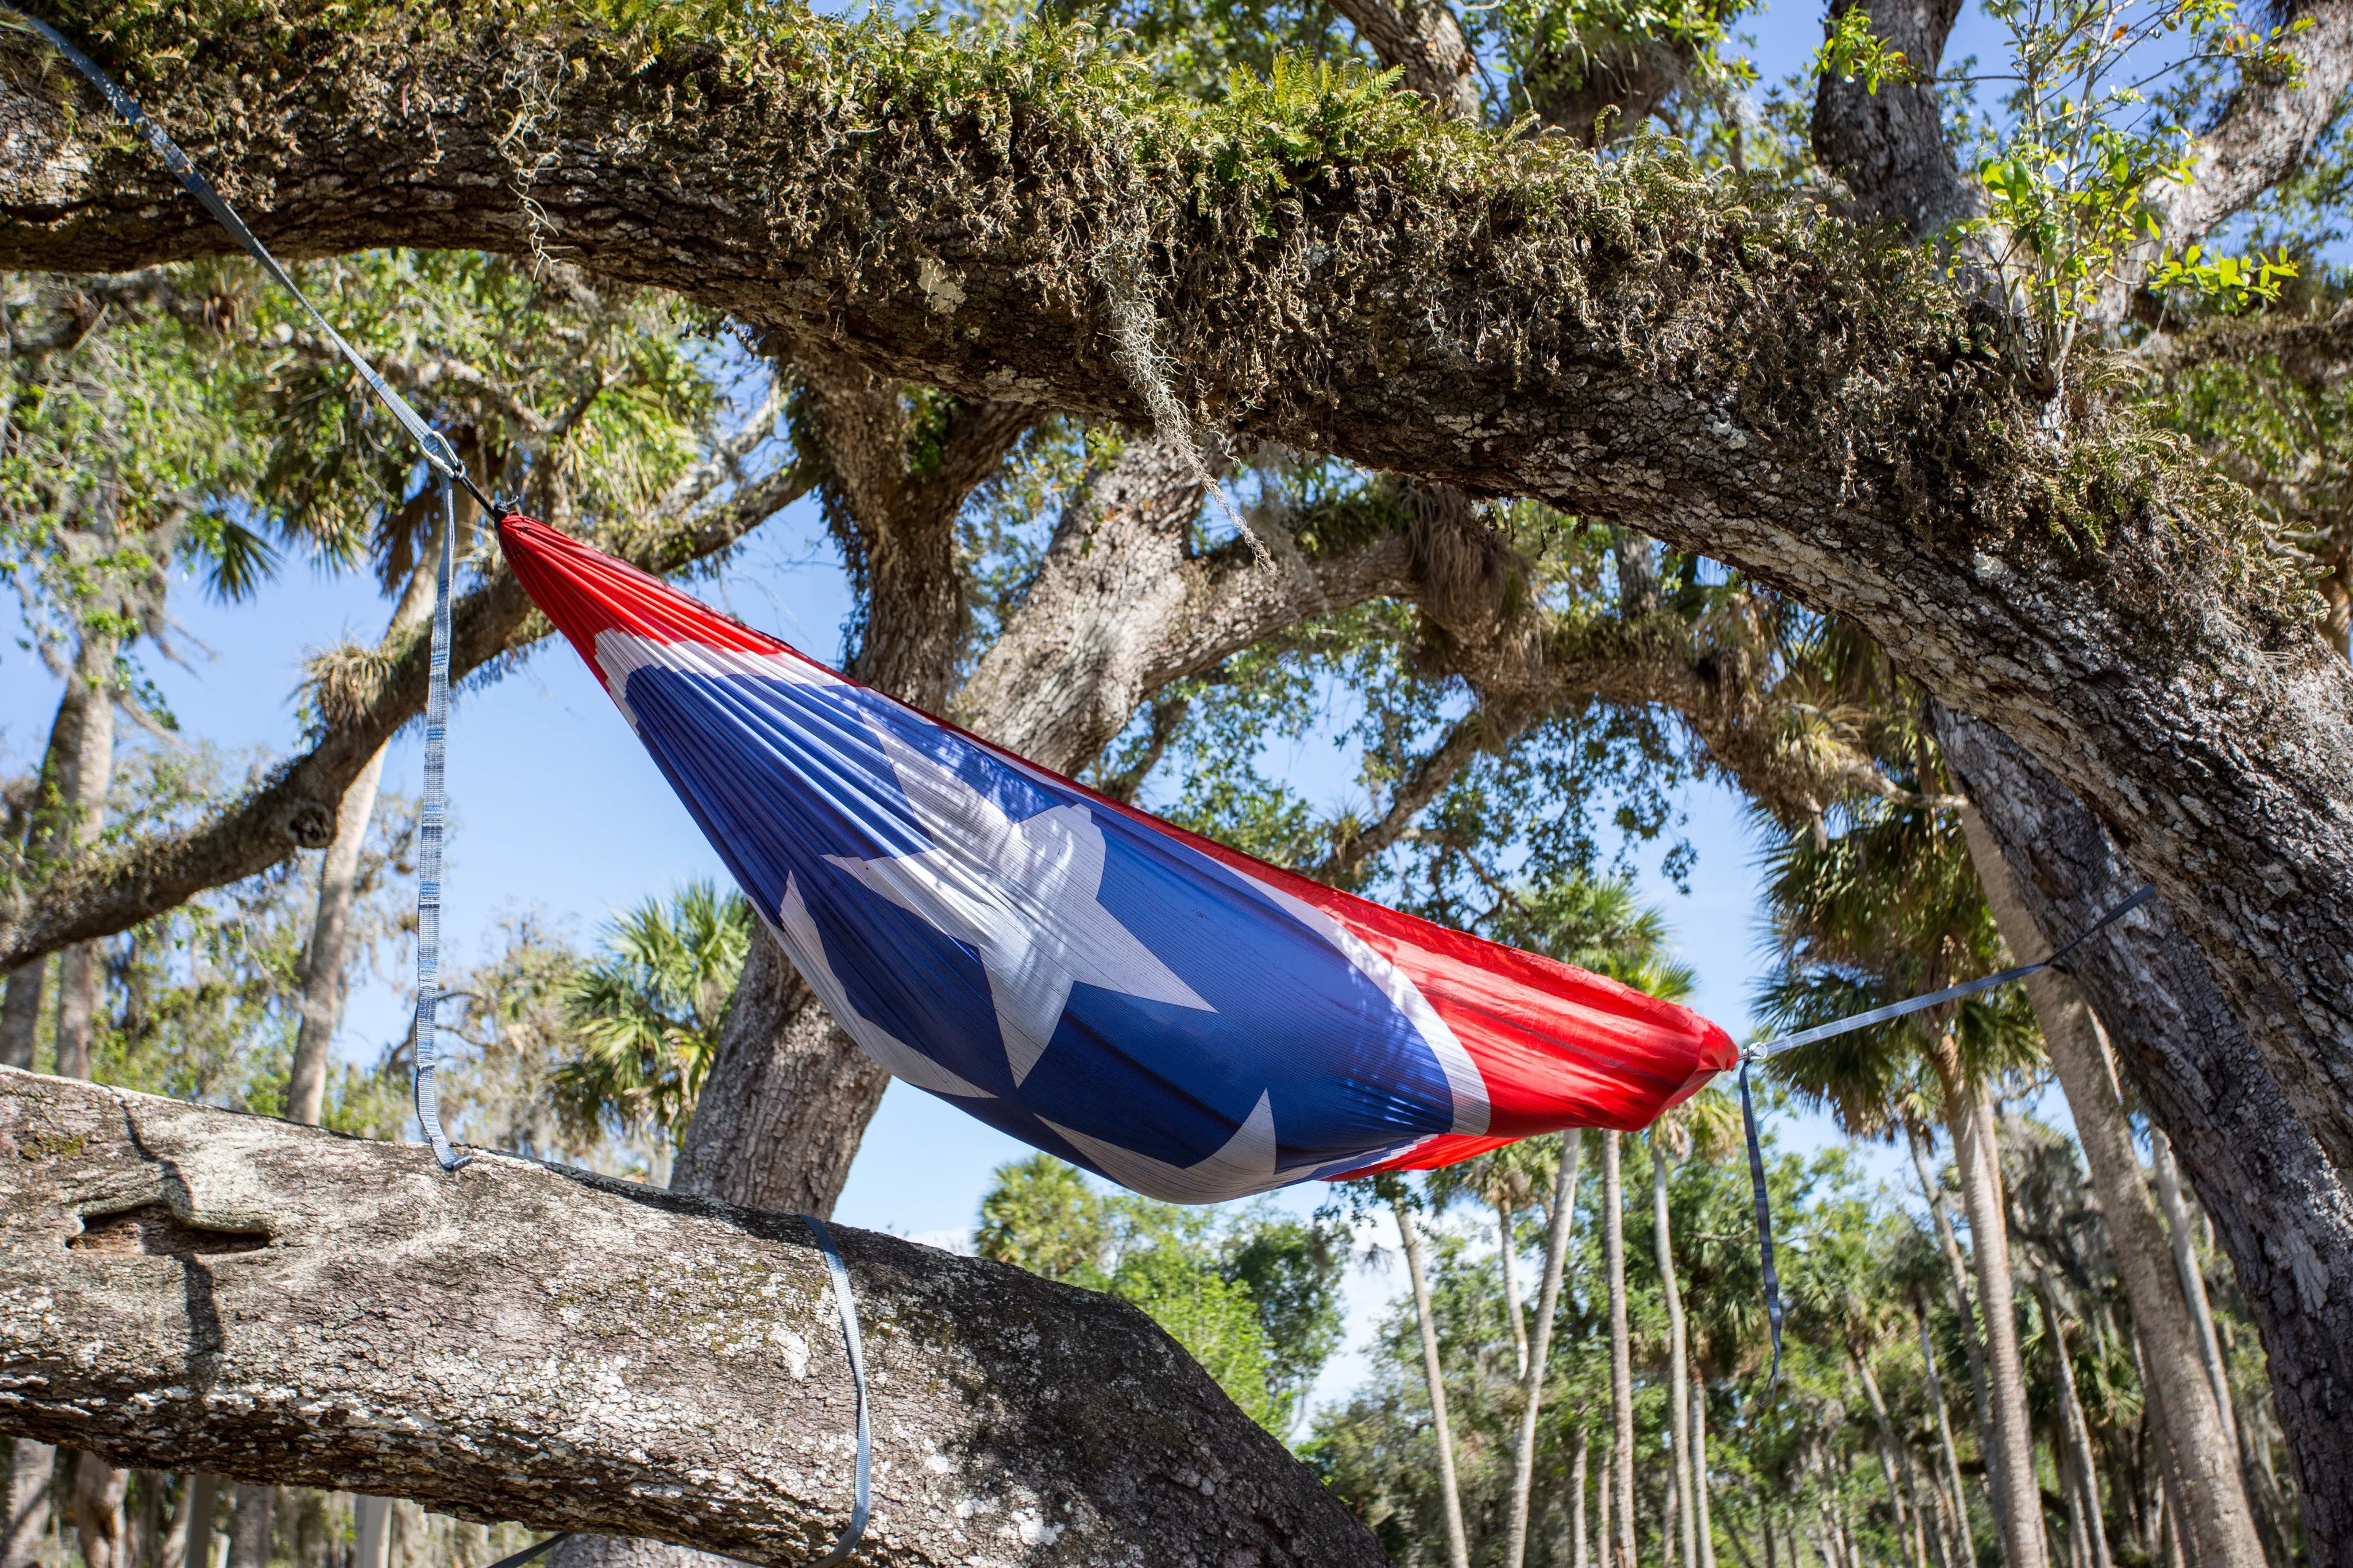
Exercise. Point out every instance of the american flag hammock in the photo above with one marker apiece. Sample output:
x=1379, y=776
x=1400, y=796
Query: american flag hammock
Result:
x=1165, y=1011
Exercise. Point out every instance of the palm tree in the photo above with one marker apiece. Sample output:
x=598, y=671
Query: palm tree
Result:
x=647, y=1014
x=1885, y=908
x=1458, y=1544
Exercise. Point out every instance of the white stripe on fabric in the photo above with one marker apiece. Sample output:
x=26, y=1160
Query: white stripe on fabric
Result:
x=620, y=655
x=1468, y=1086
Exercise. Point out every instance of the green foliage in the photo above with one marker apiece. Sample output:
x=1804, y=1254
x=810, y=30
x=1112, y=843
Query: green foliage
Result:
x=645, y=1014
x=1854, y=52
x=1254, y=1298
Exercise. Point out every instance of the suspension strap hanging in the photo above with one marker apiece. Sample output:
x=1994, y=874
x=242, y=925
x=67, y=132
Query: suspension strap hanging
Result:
x=429, y=819
x=1950, y=994
x=1757, y=1053
x=442, y=459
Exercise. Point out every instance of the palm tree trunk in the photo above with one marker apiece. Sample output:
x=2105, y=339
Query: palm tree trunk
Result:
x=249, y=1527
x=1890, y=1459
x=1533, y=1365
x=1457, y=1547
x=1699, y=1467
x=1621, y=1359
x=1512, y=1313
x=2208, y=1488
x=1683, y=1520
x=1580, y=1549
x=1944, y=1438
x=1976, y=1157
x=1956, y=1271
x=1605, y=1543
x=2074, y=1428
x=2194, y=1279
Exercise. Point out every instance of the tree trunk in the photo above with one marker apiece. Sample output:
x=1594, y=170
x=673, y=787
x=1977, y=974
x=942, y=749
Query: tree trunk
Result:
x=1532, y=1374
x=1458, y=1546
x=241, y=1273
x=1513, y=1317
x=1957, y=1274
x=1892, y=1467
x=2192, y=1276
x=2213, y=1504
x=1605, y=1539
x=325, y=959
x=20, y=1006
x=1621, y=1361
x=85, y=768
x=1975, y=1158
x=24, y=1527
x=1966, y=1538
x=2077, y=1434
x=249, y=1527
x=1682, y=1522
x=1580, y=1543
x=98, y=1488
x=1698, y=1469
x=2280, y=1209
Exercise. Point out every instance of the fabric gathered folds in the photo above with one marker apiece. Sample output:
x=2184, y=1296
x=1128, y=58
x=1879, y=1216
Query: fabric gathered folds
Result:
x=1174, y=1015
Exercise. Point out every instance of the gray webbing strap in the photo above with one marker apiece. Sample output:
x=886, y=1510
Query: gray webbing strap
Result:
x=1950, y=994
x=429, y=819
x=862, y=1501
x=434, y=445
x=443, y=460
x=1754, y=1054
x=862, y=1504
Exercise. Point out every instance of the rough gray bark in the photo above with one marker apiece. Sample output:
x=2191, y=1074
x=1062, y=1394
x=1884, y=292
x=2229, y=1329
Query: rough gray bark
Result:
x=1889, y=146
x=24, y=1504
x=1808, y=406
x=83, y=782
x=2280, y=1208
x=516, y=1341
x=1422, y=39
x=2204, y=1477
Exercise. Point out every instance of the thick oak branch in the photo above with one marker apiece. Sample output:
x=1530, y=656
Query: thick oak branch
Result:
x=187, y=1288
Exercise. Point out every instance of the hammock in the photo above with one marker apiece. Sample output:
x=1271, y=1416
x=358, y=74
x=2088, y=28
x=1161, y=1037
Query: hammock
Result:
x=1167, y=1011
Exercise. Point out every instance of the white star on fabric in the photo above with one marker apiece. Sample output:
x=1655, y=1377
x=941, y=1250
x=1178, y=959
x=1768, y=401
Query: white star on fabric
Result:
x=804, y=944
x=1245, y=1165
x=1024, y=896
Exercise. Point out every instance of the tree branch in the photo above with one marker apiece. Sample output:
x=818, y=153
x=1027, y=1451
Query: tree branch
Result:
x=191, y=1290
x=294, y=808
x=1423, y=40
